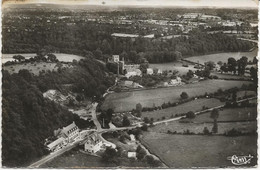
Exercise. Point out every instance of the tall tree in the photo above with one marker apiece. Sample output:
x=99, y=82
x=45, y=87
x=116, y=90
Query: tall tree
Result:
x=214, y=115
x=232, y=63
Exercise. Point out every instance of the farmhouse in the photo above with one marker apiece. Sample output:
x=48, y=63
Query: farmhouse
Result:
x=93, y=143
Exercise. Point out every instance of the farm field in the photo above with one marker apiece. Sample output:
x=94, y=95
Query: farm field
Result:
x=230, y=76
x=60, y=57
x=174, y=66
x=230, y=114
x=186, y=151
x=34, y=68
x=195, y=105
x=245, y=93
x=199, y=127
x=223, y=56
x=126, y=101
x=76, y=159
x=197, y=124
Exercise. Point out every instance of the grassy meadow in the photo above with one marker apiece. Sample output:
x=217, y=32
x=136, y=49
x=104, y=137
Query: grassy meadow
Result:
x=195, y=105
x=126, y=101
x=223, y=56
x=187, y=151
x=34, y=68
x=60, y=57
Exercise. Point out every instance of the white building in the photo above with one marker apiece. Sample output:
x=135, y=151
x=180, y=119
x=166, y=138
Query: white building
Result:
x=131, y=154
x=70, y=133
x=122, y=35
x=132, y=137
x=174, y=82
x=149, y=71
x=209, y=17
x=59, y=143
x=136, y=72
x=93, y=143
x=115, y=58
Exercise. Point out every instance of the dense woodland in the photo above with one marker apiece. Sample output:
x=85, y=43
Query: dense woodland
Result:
x=87, y=37
x=28, y=118
x=76, y=35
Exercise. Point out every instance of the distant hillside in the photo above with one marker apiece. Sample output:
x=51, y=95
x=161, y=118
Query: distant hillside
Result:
x=28, y=118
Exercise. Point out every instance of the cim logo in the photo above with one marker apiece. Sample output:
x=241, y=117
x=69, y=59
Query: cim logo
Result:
x=240, y=160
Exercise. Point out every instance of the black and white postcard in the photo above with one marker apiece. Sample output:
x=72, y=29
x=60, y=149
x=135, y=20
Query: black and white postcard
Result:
x=129, y=84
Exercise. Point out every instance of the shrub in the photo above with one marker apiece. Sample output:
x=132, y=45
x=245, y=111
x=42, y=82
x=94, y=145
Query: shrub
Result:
x=152, y=162
x=190, y=115
x=146, y=120
x=144, y=127
x=233, y=132
x=184, y=95
x=206, y=131
x=140, y=153
x=215, y=127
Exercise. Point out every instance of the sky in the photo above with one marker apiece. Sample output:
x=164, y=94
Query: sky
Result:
x=156, y=3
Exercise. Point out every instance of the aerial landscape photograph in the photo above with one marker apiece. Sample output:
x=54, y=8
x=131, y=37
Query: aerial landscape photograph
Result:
x=129, y=84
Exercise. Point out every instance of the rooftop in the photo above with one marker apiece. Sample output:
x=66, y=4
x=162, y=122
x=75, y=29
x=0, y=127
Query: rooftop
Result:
x=55, y=143
x=124, y=35
x=70, y=128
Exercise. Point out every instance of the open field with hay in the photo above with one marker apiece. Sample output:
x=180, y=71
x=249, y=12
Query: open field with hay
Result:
x=126, y=101
x=35, y=67
x=223, y=56
x=195, y=105
x=243, y=119
x=60, y=57
x=186, y=151
x=178, y=66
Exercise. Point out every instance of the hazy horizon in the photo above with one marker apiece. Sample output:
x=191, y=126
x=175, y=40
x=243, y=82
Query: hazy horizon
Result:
x=147, y=3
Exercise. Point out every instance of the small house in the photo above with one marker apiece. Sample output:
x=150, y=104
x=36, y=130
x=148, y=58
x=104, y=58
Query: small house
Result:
x=131, y=154
x=132, y=137
x=93, y=143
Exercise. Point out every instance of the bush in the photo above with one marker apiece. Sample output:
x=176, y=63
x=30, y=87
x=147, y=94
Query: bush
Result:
x=140, y=153
x=190, y=115
x=184, y=95
x=144, y=127
x=206, y=131
x=152, y=162
x=215, y=127
x=233, y=132
x=146, y=120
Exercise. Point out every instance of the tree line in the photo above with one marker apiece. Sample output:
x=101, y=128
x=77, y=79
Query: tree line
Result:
x=96, y=38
